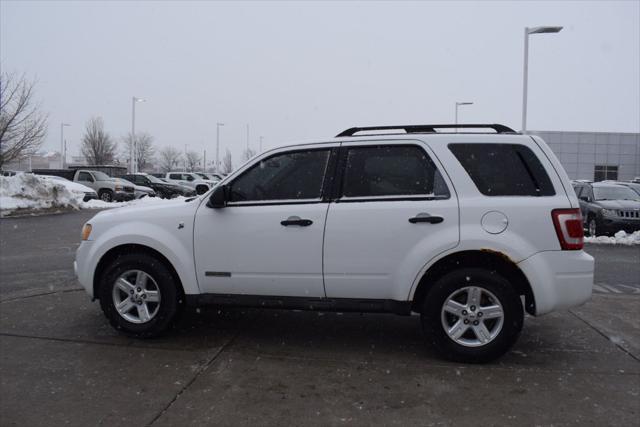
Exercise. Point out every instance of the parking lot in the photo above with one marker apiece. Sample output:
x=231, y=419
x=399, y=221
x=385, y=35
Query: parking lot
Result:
x=61, y=363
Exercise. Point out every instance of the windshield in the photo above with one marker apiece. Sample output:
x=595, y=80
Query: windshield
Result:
x=614, y=193
x=100, y=176
x=201, y=175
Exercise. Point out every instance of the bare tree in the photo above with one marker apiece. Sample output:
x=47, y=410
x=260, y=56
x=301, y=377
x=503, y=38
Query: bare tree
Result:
x=144, y=149
x=247, y=154
x=97, y=147
x=169, y=159
x=193, y=159
x=227, y=164
x=22, y=125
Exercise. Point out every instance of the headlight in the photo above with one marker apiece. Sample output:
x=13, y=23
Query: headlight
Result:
x=609, y=212
x=118, y=188
x=86, y=231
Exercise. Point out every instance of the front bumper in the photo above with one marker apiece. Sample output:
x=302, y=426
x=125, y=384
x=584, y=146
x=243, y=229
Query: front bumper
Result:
x=121, y=196
x=615, y=224
x=89, y=196
x=559, y=279
x=81, y=267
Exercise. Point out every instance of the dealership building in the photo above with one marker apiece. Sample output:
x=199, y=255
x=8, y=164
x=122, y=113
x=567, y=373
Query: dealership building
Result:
x=596, y=155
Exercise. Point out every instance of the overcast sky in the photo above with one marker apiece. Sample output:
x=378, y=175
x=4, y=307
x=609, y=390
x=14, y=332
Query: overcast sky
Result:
x=306, y=70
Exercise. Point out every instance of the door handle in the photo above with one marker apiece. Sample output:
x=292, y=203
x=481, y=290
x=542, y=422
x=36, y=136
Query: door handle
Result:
x=425, y=217
x=296, y=220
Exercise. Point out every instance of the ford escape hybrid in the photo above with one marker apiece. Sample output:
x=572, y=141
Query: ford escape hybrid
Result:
x=469, y=230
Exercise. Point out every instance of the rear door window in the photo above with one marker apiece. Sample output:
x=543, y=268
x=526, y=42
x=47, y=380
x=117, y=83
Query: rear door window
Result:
x=504, y=169
x=391, y=171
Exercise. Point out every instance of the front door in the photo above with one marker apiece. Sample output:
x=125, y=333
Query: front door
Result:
x=268, y=239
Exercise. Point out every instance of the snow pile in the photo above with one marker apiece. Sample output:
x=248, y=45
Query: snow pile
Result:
x=146, y=201
x=620, y=238
x=28, y=191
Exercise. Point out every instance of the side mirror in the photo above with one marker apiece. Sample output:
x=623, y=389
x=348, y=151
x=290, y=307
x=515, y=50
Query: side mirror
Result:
x=218, y=198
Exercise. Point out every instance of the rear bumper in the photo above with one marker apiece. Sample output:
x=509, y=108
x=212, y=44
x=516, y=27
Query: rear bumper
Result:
x=559, y=279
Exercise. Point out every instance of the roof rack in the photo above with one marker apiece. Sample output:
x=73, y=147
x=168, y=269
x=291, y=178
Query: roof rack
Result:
x=427, y=128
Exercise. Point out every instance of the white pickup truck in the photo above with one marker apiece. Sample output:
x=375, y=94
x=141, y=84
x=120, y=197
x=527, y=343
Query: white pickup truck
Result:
x=468, y=229
x=107, y=189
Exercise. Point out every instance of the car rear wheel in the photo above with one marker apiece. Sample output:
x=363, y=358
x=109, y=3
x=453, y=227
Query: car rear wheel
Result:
x=472, y=316
x=139, y=296
x=106, y=195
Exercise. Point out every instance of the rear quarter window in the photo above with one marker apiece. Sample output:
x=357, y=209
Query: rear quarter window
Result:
x=504, y=169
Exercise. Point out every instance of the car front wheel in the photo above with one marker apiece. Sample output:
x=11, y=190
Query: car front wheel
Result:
x=106, y=196
x=592, y=227
x=138, y=295
x=472, y=315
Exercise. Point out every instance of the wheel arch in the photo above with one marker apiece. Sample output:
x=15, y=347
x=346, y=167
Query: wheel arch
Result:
x=117, y=251
x=484, y=258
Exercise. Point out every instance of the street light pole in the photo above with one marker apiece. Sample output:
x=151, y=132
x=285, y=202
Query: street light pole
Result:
x=525, y=74
x=261, y=143
x=63, y=151
x=133, y=164
x=218, y=146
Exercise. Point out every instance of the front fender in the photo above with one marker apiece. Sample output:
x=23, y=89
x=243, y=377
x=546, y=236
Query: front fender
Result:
x=176, y=246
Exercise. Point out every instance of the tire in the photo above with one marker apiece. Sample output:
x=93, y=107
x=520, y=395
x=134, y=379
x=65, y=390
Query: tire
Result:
x=106, y=195
x=201, y=189
x=469, y=346
x=161, y=314
x=592, y=227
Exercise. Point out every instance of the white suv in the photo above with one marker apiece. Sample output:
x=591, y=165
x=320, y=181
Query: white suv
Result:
x=191, y=179
x=467, y=229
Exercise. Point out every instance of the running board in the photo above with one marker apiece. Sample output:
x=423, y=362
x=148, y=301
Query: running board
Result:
x=302, y=303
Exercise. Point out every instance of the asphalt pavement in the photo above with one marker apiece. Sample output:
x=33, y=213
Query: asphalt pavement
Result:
x=61, y=363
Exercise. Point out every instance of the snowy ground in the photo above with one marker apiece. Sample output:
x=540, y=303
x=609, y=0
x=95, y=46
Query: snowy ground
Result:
x=31, y=193
x=620, y=238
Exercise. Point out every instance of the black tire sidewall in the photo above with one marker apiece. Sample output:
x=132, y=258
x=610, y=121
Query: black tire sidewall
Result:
x=108, y=193
x=169, y=294
x=494, y=283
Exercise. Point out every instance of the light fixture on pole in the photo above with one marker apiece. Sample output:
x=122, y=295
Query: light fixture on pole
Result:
x=527, y=31
x=63, y=151
x=459, y=104
x=132, y=162
x=217, y=167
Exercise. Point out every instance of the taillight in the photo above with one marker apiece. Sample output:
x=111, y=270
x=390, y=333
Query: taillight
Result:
x=568, y=224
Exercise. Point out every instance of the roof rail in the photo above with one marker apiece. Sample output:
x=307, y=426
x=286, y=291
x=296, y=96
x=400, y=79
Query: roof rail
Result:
x=427, y=128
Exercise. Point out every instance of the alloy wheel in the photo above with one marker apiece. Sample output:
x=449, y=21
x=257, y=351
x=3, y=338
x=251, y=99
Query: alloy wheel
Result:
x=136, y=296
x=472, y=316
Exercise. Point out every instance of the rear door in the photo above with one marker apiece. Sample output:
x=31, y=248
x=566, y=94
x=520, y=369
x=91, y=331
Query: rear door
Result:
x=393, y=212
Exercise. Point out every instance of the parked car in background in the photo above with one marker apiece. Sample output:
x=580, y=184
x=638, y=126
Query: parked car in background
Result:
x=635, y=186
x=162, y=188
x=108, y=190
x=192, y=180
x=8, y=173
x=89, y=193
x=209, y=177
x=140, y=191
x=470, y=231
x=608, y=208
